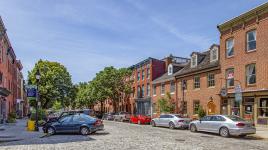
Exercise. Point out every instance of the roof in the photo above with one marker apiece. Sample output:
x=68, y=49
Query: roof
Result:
x=203, y=64
x=249, y=14
x=165, y=77
x=141, y=63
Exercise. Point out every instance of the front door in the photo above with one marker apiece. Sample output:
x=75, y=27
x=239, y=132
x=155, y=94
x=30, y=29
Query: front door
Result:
x=248, y=107
x=211, y=108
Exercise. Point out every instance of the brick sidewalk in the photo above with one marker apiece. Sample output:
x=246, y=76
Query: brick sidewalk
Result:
x=262, y=132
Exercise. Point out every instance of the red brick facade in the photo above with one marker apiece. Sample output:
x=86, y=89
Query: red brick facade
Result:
x=11, y=76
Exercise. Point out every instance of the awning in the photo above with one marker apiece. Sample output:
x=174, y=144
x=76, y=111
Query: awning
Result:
x=4, y=92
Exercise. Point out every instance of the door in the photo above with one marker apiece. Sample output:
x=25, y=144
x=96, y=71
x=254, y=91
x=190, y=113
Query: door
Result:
x=215, y=124
x=211, y=108
x=204, y=123
x=166, y=120
x=162, y=120
x=248, y=107
x=64, y=124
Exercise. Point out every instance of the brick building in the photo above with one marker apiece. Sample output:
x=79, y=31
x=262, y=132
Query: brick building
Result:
x=10, y=76
x=244, y=51
x=199, y=82
x=166, y=82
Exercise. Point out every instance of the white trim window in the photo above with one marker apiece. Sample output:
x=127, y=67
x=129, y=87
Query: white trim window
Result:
x=172, y=87
x=148, y=73
x=230, y=77
x=194, y=60
x=214, y=54
x=211, y=79
x=142, y=74
x=138, y=75
x=148, y=92
x=170, y=69
x=196, y=82
x=251, y=74
x=154, y=90
x=251, y=40
x=163, y=89
x=230, y=47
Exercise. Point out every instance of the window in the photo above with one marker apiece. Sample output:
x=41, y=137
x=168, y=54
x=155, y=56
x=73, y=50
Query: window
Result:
x=251, y=40
x=172, y=87
x=148, y=73
x=196, y=106
x=194, y=60
x=251, y=74
x=170, y=69
x=235, y=108
x=184, y=84
x=263, y=107
x=211, y=79
x=148, y=89
x=230, y=77
x=217, y=118
x=142, y=91
x=133, y=90
x=229, y=47
x=139, y=92
x=162, y=88
x=138, y=76
x=142, y=75
x=154, y=90
x=197, y=82
x=214, y=54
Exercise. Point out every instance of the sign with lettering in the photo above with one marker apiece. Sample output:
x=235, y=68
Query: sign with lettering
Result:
x=31, y=90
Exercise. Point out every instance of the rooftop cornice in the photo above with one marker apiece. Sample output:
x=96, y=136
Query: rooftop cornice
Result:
x=259, y=10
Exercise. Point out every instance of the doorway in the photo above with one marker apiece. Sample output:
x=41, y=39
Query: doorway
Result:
x=248, y=107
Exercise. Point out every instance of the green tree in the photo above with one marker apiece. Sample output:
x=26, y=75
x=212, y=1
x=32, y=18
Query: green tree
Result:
x=165, y=105
x=201, y=112
x=84, y=97
x=55, y=83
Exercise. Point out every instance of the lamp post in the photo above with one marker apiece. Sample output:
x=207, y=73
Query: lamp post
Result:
x=37, y=76
x=183, y=88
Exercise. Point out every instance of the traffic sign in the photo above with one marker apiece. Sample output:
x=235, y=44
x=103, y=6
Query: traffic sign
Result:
x=238, y=93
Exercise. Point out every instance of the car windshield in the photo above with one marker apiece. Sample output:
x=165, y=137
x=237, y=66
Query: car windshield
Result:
x=235, y=118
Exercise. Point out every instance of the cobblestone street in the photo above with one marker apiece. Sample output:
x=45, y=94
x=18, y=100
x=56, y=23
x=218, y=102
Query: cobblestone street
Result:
x=119, y=135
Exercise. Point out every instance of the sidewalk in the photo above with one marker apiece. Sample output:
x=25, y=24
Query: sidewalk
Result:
x=16, y=131
x=262, y=132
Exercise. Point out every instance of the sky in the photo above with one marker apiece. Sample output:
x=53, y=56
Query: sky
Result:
x=88, y=35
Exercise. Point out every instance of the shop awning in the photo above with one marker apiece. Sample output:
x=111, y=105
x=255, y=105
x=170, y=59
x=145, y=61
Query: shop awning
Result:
x=4, y=92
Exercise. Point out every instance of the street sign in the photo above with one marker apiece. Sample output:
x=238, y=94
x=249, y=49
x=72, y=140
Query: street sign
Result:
x=31, y=90
x=238, y=93
x=223, y=92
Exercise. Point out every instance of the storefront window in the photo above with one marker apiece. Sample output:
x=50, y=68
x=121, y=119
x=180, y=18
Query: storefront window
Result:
x=196, y=106
x=235, y=108
x=224, y=109
x=263, y=107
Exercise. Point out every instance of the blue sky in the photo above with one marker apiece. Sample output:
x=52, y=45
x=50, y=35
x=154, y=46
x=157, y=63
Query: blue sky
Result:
x=87, y=35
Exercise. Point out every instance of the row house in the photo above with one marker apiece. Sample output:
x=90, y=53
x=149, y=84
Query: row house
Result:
x=10, y=76
x=166, y=83
x=191, y=83
x=244, y=51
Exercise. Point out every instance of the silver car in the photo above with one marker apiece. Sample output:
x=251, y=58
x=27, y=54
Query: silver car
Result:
x=172, y=121
x=223, y=125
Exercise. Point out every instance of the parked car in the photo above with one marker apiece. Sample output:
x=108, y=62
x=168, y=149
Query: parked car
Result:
x=108, y=116
x=140, y=119
x=75, y=123
x=223, y=125
x=122, y=116
x=172, y=121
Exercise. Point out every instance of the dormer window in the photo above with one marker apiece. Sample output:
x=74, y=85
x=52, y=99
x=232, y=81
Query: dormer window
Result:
x=214, y=54
x=194, y=60
x=170, y=69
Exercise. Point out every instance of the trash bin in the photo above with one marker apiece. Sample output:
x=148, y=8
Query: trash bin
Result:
x=30, y=125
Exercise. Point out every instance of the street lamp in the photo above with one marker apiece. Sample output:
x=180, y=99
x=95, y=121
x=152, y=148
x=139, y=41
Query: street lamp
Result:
x=37, y=76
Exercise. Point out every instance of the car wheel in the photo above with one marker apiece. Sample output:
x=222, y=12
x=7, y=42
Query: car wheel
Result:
x=193, y=128
x=224, y=132
x=139, y=122
x=153, y=124
x=51, y=130
x=171, y=125
x=84, y=131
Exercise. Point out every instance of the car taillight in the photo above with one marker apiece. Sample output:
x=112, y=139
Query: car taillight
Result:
x=98, y=122
x=253, y=124
x=181, y=121
x=240, y=124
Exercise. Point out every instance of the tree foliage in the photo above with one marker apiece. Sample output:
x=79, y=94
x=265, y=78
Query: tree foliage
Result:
x=165, y=105
x=55, y=83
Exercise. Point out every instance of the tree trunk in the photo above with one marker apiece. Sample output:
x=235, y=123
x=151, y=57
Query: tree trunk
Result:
x=114, y=106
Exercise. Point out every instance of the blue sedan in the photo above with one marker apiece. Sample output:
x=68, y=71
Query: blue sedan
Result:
x=76, y=123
